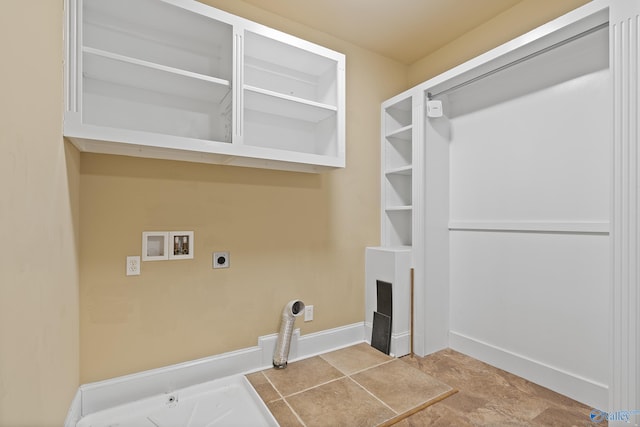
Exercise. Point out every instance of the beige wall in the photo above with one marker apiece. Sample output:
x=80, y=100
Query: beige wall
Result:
x=523, y=17
x=39, y=188
x=291, y=235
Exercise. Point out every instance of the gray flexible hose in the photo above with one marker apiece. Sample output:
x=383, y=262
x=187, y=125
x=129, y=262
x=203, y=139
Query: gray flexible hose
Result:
x=292, y=310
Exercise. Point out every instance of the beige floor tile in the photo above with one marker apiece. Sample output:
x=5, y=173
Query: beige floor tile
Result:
x=263, y=387
x=489, y=396
x=436, y=416
x=557, y=417
x=302, y=375
x=356, y=358
x=283, y=414
x=339, y=403
x=400, y=386
x=464, y=402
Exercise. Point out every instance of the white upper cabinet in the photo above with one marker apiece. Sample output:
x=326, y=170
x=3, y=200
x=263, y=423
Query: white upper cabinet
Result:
x=176, y=79
x=291, y=98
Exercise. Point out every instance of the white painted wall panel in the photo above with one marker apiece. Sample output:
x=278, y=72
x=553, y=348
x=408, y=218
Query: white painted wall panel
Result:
x=540, y=157
x=541, y=296
x=531, y=145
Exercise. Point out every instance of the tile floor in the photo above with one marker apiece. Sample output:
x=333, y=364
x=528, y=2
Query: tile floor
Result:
x=348, y=387
x=486, y=396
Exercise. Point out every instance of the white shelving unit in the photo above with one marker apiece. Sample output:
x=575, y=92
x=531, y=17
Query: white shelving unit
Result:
x=393, y=260
x=397, y=171
x=195, y=83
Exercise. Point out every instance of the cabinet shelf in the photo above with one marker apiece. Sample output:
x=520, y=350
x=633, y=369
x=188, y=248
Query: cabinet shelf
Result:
x=288, y=69
x=398, y=226
x=403, y=170
x=268, y=101
x=398, y=117
x=404, y=133
x=127, y=93
x=177, y=36
x=398, y=208
x=122, y=70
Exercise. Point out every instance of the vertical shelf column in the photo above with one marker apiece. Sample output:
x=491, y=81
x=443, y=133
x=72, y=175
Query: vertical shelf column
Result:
x=397, y=172
x=393, y=260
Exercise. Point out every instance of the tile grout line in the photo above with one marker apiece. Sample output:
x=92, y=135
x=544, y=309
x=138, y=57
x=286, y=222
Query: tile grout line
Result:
x=294, y=412
x=315, y=386
x=375, y=397
x=272, y=385
x=361, y=370
x=283, y=399
x=373, y=366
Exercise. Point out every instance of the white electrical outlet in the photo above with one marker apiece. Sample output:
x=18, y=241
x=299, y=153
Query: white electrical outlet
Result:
x=308, y=313
x=133, y=266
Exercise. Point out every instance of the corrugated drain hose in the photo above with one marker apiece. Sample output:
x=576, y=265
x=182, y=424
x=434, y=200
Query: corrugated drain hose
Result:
x=292, y=310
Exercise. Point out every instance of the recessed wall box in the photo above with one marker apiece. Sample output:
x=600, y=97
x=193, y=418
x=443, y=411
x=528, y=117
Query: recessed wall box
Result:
x=155, y=245
x=181, y=245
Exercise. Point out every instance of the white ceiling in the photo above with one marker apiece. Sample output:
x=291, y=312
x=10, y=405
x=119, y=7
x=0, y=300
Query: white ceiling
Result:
x=404, y=30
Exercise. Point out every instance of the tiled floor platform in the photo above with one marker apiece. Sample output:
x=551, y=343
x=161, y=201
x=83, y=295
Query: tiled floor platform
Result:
x=356, y=386
x=359, y=386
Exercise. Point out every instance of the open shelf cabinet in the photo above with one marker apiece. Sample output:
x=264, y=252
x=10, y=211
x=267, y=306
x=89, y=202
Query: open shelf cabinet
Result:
x=195, y=83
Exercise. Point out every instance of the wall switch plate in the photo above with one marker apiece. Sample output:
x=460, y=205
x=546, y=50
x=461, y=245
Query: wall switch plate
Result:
x=308, y=313
x=221, y=260
x=133, y=266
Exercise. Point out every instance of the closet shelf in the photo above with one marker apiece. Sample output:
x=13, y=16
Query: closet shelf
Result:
x=126, y=71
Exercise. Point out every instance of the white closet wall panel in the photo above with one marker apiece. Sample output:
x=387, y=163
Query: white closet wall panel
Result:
x=530, y=167
x=532, y=148
x=542, y=297
x=523, y=160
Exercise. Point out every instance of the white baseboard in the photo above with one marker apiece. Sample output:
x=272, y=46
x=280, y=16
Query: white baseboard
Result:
x=583, y=390
x=75, y=411
x=400, y=342
x=105, y=394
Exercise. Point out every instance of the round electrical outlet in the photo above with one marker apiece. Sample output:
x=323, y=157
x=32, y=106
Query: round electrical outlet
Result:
x=221, y=260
